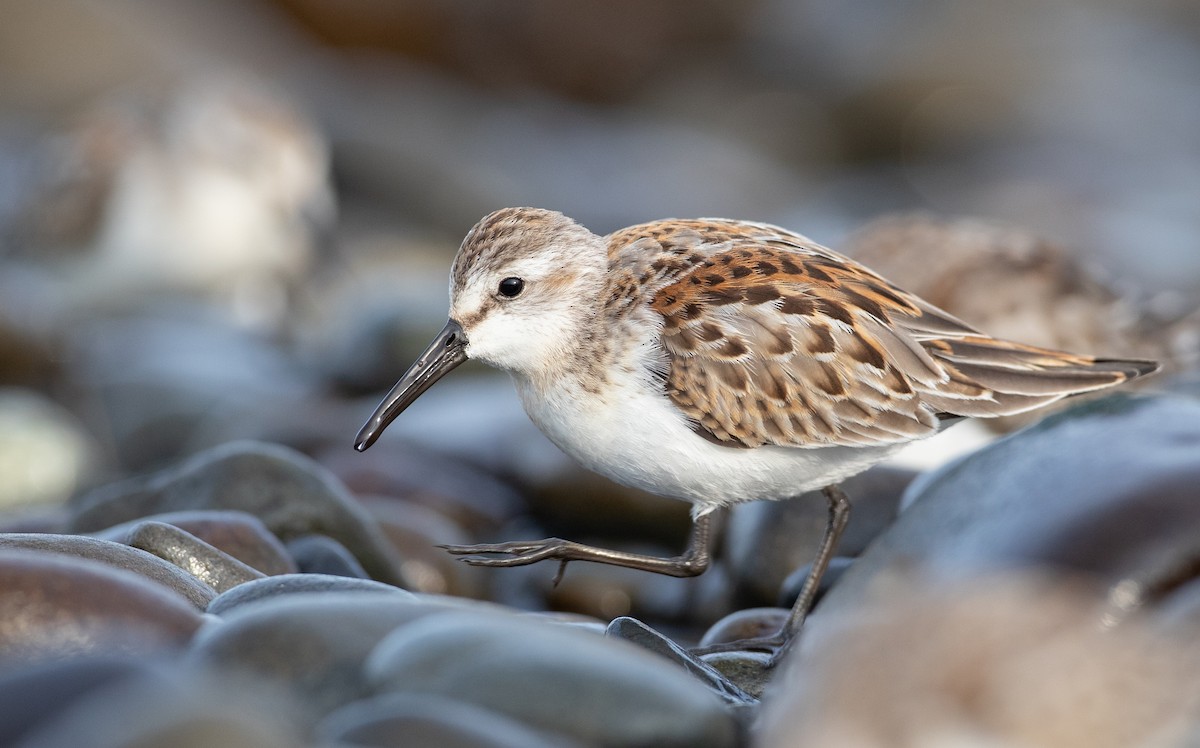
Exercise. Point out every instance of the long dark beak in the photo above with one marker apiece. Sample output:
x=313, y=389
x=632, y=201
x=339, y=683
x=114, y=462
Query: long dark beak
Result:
x=448, y=350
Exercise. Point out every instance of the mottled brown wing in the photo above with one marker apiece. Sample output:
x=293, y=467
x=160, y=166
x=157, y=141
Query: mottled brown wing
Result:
x=774, y=341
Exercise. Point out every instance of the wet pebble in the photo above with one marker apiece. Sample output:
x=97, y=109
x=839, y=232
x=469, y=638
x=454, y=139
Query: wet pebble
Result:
x=321, y=554
x=312, y=643
x=594, y=689
x=769, y=540
x=1102, y=489
x=1006, y=659
x=54, y=605
x=240, y=534
x=40, y=691
x=119, y=556
x=290, y=493
x=269, y=588
x=401, y=720
x=210, y=565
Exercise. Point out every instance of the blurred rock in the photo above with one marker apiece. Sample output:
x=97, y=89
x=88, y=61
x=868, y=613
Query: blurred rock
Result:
x=401, y=720
x=789, y=591
x=321, y=554
x=290, y=493
x=56, y=606
x=153, y=381
x=179, y=708
x=210, y=565
x=269, y=588
x=311, y=643
x=118, y=556
x=768, y=540
x=534, y=672
x=240, y=534
x=417, y=469
x=416, y=531
x=636, y=632
x=36, y=693
x=1009, y=660
x=1103, y=489
x=748, y=623
x=45, y=453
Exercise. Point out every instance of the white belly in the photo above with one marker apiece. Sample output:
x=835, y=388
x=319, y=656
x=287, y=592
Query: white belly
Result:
x=638, y=438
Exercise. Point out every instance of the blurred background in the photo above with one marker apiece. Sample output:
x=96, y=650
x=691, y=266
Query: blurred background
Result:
x=234, y=218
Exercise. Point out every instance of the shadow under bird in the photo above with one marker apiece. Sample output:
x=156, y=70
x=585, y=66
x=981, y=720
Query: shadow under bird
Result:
x=718, y=361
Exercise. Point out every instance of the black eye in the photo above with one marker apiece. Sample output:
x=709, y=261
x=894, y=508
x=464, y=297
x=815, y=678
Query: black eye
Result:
x=511, y=287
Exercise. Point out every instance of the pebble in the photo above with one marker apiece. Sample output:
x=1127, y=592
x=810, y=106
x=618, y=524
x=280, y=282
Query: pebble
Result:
x=769, y=540
x=54, y=605
x=321, y=554
x=39, y=692
x=173, y=706
x=312, y=643
x=1007, y=659
x=210, y=565
x=402, y=720
x=119, y=556
x=1103, y=489
x=556, y=678
x=240, y=534
x=269, y=588
x=289, y=492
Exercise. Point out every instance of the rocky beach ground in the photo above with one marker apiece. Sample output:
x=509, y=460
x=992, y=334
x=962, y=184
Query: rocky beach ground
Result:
x=225, y=230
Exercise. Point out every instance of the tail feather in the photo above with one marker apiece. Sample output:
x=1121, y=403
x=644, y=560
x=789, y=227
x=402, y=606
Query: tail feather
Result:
x=1019, y=377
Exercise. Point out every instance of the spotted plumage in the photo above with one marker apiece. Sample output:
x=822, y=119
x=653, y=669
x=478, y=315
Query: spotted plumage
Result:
x=718, y=361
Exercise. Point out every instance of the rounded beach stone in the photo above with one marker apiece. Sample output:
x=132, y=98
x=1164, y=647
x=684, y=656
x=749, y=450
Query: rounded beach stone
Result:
x=54, y=605
x=281, y=585
x=119, y=556
x=321, y=554
x=556, y=678
x=1007, y=659
x=768, y=540
x=400, y=720
x=1102, y=489
x=240, y=534
x=313, y=644
x=210, y=565
x=289, y=492
x=173, y=708
x=38, y=692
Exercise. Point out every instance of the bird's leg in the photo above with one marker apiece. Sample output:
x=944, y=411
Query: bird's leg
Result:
x=694, y=559
x=777, y=644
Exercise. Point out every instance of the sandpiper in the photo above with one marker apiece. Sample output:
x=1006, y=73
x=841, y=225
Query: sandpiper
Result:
x=717, y=361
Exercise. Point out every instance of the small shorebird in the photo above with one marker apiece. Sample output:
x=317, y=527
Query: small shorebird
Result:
x=716, y=362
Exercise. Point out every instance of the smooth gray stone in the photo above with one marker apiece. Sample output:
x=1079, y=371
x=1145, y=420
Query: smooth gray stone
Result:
x=290, y=493
x=210, y=565
x=595, y=689
x=768, y=540
x=119, y=556
x=321, y=554
x=1104, y=489
x=240, y=534
x=177, y=708
x=790, y=589
x=282, y=585
x=55, y=605
x=35, y=694
x=402, y=720
x=313, y=644
x=634, y=631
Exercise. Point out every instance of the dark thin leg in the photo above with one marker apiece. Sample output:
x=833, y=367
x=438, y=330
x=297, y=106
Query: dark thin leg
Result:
x=694, y=559
x=777, y=644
